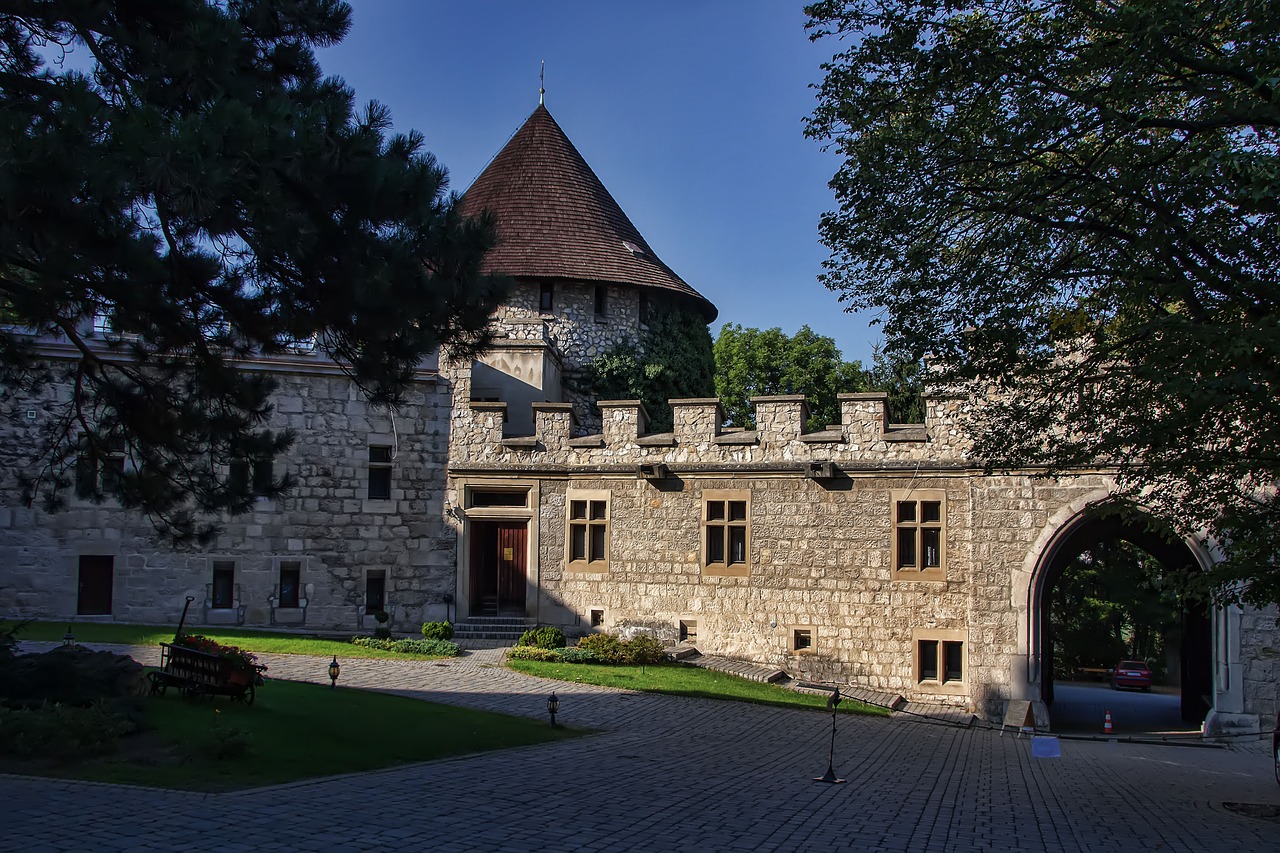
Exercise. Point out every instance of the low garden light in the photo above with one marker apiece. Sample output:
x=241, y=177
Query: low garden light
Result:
x=553, y=705
x=68, y=639
x=833, y=701
x=334, y=672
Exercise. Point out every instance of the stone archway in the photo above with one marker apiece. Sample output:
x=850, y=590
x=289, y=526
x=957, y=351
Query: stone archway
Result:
x=1069, y=531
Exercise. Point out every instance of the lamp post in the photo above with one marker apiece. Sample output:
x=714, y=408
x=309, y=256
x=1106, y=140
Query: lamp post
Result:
x=68, y=639
x=334, y=672
x=830, y=776
x=553, y=705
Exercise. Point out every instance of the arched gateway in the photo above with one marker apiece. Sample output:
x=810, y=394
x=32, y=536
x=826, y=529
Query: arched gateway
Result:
x=1209, y=674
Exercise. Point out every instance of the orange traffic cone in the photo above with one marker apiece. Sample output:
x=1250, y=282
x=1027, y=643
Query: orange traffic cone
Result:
x=1106, y=724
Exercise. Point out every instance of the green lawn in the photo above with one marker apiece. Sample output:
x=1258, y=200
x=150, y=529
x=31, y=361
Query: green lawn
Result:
x=253, y=641
x=685, y=680
x=297, y=731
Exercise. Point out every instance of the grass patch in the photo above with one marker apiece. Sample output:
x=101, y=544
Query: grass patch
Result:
x=267, y=642
x=686, y=680
x=293, y=731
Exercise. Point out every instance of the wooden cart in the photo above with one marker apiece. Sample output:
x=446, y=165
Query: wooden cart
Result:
x=195, y=673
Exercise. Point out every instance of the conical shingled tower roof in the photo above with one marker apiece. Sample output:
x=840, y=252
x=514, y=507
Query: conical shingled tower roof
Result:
x=557, y=221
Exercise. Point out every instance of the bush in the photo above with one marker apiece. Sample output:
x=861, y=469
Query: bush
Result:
x=437, y=631
x=406, y=646
x=65, y=730
x=382, y=616
x=643, y=649
x=534, y=653
x=574, y=654
x=605, y=648
x=382, y=632
x=546, y=637
x=225, y=742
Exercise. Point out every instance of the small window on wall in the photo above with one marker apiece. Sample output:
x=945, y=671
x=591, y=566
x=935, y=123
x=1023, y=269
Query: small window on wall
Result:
x=940, y=660
x=602, y=305
x=379, y=472
x=98, y=473
x=222, y=594
x=375, y=591
x=688, y=630
x=802, y=640
x=546, y=298
x=254, y=477
x=919, y=534
x=726, y=523
x=290, y=583
x=644, y=309
x=588, y=531
x=498, y=499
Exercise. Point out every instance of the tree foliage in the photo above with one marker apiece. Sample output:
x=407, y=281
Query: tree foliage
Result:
x=672, y=360
x=1072, y=205
x=755, y=363
x=192, y=181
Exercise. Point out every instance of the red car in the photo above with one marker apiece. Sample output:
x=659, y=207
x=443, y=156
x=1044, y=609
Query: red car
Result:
x=1131, y=673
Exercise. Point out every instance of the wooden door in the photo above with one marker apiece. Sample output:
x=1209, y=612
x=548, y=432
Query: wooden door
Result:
x=511, y=565
x=94, y=589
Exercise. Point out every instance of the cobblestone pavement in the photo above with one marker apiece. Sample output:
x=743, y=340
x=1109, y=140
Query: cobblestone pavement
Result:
x=670, y=773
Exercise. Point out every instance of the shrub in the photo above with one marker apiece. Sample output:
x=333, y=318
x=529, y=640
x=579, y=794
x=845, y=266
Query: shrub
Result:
x=382, y=632
x=534, y=653
x=406, y=646
x=57, y=729
x=437, y=631
x=546, y=637
x=605, y=648
x=225, y=742
x=574, y=654
x=643, y=649
x=382, y=616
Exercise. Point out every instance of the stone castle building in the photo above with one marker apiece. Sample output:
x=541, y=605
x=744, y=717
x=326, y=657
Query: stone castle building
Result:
x=869, y=553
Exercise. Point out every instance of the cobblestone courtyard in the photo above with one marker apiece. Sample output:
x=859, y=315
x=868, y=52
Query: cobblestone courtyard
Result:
x=670, y=773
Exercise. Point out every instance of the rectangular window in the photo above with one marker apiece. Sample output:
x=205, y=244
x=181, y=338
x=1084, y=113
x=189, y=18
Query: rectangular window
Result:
x=379, y=472
x=98, y=473
x=588, y=531
x=940, y=660
x=919, y=534
x=375, y=591
x=546, y=298
x=222, y=590
x=597, y=618
x=802, y=641
x=726, y=534
x=484, y=499
x=256, y=475
x=290, y=583
x=601, y=301
x=688, y=630
x=644, y=309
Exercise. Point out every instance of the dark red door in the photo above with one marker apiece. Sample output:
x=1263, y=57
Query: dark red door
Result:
x=511, y=565
x=94, y=591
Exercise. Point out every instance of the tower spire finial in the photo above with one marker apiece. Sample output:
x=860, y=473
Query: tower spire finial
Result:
x=542, y=82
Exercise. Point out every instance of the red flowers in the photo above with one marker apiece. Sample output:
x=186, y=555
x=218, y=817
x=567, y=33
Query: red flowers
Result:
x=247, y=660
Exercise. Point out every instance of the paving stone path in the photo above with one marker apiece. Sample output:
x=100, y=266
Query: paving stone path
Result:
x=670, y=773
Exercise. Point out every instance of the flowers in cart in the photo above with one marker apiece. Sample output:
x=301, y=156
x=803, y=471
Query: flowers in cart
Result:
x=241, y=659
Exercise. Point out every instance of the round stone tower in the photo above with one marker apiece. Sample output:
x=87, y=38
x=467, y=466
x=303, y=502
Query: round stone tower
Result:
x=586, y=278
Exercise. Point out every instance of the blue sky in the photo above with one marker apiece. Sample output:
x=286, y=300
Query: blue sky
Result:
x=690, y=111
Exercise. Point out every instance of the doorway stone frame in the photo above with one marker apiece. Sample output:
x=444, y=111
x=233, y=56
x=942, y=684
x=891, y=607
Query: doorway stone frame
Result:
x=463, y=488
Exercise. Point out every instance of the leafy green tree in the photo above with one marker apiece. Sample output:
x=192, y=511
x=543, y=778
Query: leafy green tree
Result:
x=903, y=380
x=191, y=182
x=755, y=363
x=673, y=360
x=1072, y=206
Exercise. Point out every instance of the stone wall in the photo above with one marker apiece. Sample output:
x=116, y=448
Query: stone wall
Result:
x=327, y=523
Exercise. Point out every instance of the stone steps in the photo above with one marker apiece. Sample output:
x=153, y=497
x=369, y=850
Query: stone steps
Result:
x=506, y=628
x=742, y=669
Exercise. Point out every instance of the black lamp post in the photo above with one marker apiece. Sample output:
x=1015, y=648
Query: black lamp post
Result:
x=68, y=639
x=830, y=776
x=553, y=705
x=334, y=672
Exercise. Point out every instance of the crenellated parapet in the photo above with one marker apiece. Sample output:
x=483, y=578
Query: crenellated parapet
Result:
x=863, y=439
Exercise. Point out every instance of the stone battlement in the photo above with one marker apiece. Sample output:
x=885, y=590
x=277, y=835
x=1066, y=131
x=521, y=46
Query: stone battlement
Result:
x=863, y=437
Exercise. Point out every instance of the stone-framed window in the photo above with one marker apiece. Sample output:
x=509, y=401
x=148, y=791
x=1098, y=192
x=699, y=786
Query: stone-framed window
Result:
x=222, y=587
x=802, y=640
x=98, y=472
x=601, y=302
x=546, y=298
x=587, y=530
x=252, y=475
x=380, y=460
x=375, y=590
x=919, y=543
x=289, y=585
x=726, y=532
x=940, y=660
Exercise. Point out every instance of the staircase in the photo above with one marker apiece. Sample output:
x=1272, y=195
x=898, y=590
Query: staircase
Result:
x=505, y=628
